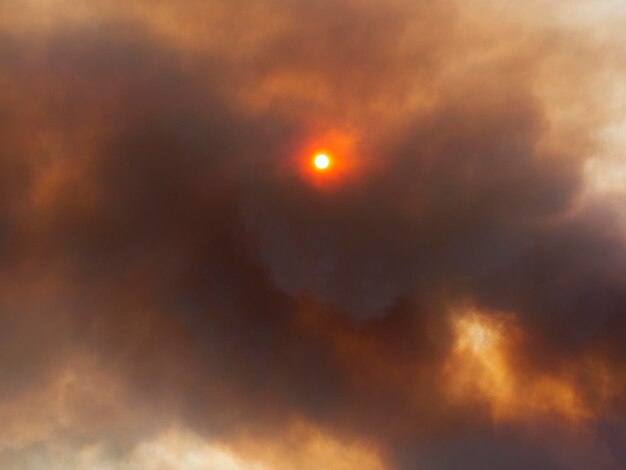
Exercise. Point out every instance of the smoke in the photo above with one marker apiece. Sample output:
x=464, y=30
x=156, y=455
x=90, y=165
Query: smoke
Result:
x=174, y=282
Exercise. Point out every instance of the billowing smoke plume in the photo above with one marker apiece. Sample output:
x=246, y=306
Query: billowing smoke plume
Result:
x=177, y=288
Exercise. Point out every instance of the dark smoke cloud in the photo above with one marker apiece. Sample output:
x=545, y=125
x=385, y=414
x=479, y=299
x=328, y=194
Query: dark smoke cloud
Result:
x=162, y=254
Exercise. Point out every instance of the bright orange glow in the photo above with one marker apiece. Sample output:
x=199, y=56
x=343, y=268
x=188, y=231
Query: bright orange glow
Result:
x=321, y=161
x=302, y=446
x=485, y=365
x=328, y=161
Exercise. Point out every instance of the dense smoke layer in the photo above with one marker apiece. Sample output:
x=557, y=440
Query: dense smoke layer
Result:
x=178, y=289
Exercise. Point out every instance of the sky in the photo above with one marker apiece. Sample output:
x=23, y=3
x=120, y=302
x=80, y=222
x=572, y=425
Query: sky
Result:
x=181, y=288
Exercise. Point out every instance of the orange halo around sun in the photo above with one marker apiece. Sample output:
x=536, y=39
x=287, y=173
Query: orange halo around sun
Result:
x=327, y=160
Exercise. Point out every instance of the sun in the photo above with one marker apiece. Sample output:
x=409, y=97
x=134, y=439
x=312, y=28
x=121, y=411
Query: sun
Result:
x=321, y=161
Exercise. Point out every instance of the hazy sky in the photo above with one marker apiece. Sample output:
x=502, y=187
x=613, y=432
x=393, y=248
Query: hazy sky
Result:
x=180, y=288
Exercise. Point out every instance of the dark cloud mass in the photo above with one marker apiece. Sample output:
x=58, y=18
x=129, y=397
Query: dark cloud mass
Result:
x=179, y=290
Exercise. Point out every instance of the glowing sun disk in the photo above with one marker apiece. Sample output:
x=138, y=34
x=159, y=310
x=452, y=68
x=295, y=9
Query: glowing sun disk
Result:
x=321, y=161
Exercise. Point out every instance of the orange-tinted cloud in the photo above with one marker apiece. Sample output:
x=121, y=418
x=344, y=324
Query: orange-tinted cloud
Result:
x=169, y=261
x=483, y=367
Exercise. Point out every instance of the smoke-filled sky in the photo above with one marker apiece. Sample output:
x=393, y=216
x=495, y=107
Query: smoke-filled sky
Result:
x=180, y=288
